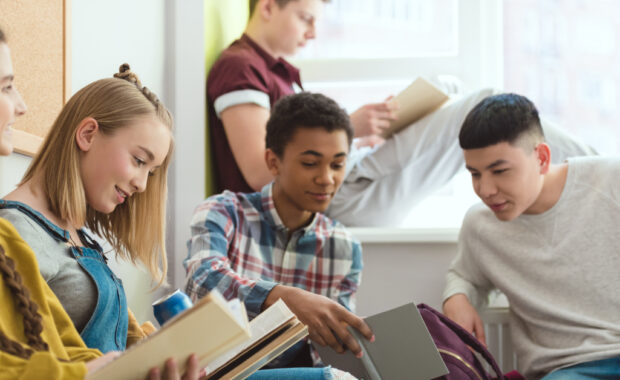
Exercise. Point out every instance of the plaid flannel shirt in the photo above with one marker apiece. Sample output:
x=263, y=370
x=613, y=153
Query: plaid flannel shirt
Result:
x=240, y=246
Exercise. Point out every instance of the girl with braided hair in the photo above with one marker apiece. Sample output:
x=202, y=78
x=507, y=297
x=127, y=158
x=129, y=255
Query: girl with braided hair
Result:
x=38, y=339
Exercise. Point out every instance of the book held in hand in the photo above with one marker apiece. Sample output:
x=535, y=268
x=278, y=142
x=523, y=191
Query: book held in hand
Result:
x=419, y=99
x=209, y=328
x=403, y=349
x=218, y=332
x=273, y=331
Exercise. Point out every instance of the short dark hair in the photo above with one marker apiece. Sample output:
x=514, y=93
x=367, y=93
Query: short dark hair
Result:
x=304, y=110
x=2, y=36
x=500, y=118
x=281, y=4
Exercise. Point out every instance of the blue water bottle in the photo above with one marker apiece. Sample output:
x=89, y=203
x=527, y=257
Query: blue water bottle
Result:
x=168, y=306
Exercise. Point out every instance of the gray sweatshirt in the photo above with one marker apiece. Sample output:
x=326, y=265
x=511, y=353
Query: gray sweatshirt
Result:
x=560, y=270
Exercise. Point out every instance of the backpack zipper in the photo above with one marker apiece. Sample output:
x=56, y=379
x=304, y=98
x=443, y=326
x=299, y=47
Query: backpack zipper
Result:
x=457, y=357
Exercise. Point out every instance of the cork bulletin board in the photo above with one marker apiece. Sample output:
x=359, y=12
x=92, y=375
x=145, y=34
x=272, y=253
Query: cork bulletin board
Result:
x=38, y=36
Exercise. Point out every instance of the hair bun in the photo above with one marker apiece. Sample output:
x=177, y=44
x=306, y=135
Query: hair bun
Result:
x=124, y=72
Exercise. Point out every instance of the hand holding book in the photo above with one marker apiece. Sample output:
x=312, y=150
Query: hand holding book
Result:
x=374, y=118
x=404, y=349
x=225, y=344
x=419, y=99
x=327, y=320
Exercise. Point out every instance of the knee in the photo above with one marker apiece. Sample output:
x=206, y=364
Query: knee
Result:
x=476, y=96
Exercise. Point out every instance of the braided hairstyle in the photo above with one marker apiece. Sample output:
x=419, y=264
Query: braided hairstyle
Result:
x=27, y=308
x=124, y=72
x=32, y=319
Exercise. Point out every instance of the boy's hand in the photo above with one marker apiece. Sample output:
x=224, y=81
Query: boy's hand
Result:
x=459, y=309
x=372, y=119
x=327, y=320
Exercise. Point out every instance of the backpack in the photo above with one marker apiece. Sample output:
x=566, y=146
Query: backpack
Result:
x=454, y=343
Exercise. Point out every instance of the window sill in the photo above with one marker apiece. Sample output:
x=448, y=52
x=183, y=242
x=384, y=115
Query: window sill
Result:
x=397, y=235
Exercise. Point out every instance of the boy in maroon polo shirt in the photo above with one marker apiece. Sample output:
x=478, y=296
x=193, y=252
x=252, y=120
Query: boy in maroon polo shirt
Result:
x=250, y=76
x=380, y=188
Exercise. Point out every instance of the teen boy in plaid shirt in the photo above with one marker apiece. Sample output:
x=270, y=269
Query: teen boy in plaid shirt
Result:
x=276, y=243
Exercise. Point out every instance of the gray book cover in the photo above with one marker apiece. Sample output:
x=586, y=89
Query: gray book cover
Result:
x=403, y=349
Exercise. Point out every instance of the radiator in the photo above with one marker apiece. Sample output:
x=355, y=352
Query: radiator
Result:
x=499, y=341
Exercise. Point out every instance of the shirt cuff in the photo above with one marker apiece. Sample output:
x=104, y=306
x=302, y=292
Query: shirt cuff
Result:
x=254, y=301
x=459, y=286
x=235, y=98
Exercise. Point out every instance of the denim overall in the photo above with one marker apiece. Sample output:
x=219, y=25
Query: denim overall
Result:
x=106, y=329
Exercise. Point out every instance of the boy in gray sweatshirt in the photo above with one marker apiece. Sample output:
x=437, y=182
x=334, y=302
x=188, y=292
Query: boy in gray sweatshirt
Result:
x=546, y=236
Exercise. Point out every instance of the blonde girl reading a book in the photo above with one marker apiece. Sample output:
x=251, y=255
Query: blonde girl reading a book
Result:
x=91, y=173
x=37, y=337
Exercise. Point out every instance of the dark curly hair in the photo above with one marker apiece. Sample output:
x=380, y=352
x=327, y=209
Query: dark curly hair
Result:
x=500, y=118
x=304, y=110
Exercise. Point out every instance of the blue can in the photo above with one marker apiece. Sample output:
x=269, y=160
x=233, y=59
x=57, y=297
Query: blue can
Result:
x=168, y=306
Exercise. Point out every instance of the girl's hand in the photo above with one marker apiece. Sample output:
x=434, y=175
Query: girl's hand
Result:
x=171, y=372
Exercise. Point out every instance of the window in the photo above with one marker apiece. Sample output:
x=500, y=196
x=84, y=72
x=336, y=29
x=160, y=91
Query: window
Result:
x=367, y=50
x=368, y=29
x=563, y=55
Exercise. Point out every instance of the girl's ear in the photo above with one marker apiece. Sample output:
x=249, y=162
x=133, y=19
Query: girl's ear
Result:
x=86, y=132
x=543, y=153
x=273, y=162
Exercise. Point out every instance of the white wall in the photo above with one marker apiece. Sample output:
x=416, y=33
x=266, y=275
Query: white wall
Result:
x=105, y=34
x=403, y=265
x=187, y=101
x=12, y=169
x=398, y=273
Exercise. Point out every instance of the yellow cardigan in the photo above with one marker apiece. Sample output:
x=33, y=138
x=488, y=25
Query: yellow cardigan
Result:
x=58, y=331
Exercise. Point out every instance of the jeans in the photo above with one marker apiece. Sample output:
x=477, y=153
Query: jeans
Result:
x=606, y=369
x=315, y=373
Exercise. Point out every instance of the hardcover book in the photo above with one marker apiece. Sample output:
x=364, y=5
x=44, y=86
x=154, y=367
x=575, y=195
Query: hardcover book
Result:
x=403, y=349
x=419, y=99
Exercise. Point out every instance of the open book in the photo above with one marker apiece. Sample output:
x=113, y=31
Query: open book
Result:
x=415, y=102
x=273, y=331
x=209, y=328
x=403, y=349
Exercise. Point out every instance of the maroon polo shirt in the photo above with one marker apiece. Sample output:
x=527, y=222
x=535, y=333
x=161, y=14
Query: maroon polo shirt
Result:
x=244, y=73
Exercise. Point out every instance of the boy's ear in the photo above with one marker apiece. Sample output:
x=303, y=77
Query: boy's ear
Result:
x=543, y=154
x=86, y=132
x=273, y=162
x=265, y=8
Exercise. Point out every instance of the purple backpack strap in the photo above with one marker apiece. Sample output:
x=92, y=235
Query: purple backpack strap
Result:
x=466, y=337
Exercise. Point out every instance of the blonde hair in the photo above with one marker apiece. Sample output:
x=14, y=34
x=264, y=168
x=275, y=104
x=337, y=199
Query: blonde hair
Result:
x=136, y=228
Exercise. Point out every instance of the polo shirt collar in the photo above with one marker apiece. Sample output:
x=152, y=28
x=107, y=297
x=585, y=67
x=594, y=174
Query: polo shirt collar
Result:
x=271, y=61
x=271, y=214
